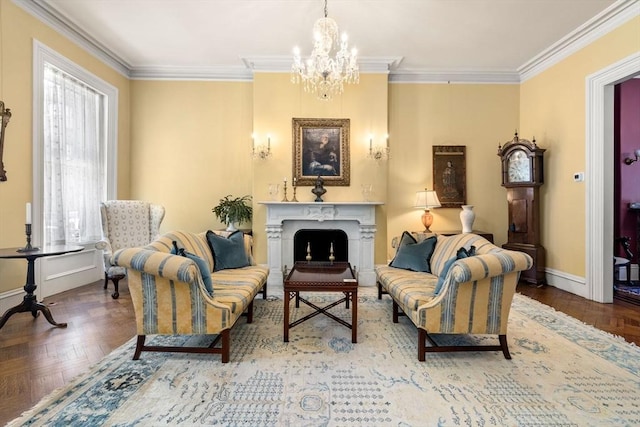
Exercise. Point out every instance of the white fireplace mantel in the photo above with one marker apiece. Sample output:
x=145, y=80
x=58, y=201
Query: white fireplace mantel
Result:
x=356, y=219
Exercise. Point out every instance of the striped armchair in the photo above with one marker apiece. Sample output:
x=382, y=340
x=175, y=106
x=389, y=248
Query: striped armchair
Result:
x=170, y=298
x=475, y=295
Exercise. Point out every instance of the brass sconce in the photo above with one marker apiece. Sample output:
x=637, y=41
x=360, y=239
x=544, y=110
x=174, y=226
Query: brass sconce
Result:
x=6, y=115
x=630, y=160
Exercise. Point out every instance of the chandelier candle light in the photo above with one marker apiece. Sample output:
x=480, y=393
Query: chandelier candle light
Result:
x=321, y=73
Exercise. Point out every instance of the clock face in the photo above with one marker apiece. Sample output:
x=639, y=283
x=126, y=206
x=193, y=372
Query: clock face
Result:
x=519, y=167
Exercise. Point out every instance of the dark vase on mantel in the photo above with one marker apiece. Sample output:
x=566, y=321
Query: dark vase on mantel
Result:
x=319, y=190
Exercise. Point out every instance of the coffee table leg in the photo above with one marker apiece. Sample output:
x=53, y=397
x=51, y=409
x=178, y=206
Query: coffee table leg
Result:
x=285, y=321
x=354, y=317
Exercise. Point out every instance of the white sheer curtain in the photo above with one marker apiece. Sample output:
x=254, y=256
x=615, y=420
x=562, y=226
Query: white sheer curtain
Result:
x=74, y=159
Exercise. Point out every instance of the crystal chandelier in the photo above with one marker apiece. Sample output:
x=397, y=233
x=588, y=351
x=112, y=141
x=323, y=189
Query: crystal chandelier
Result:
x=321, y=73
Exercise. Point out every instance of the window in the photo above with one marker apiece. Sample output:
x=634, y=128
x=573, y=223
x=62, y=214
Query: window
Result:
x=74, y=153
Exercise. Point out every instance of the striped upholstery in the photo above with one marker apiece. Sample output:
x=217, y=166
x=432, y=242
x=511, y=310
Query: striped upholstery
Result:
x=169, y=296
x=477, y=292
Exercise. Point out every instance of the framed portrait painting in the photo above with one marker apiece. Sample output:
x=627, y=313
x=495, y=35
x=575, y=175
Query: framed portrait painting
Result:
x=450, y=175
x=321, y=148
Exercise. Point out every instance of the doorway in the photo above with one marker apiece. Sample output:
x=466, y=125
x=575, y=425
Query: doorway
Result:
x=600, y=174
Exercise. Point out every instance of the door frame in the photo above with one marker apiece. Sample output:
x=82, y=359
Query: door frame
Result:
x=600, y=173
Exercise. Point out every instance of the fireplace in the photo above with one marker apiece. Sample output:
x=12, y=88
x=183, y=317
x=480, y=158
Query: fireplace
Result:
x=356, y=219
x=319, y=244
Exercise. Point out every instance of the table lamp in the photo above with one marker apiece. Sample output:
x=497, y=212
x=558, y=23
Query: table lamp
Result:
x=427, y=199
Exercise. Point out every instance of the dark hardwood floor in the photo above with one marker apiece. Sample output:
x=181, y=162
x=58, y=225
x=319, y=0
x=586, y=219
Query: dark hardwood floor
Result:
x=37, y=358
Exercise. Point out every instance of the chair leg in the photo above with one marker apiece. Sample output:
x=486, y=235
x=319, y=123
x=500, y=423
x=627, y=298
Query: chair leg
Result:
x=504, y=346
x=116, y=293
x=422, y=348
x=139, y=346
x=395, y=311
x=106, y=280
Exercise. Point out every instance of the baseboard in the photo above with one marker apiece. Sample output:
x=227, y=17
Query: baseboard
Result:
x=567, y=282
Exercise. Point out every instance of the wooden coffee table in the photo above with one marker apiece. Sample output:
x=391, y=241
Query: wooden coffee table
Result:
x=321, y=277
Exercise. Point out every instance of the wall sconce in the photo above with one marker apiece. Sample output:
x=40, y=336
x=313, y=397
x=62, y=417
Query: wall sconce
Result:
x=261, y=151
x=427, y=200
x=630, y=160
x=378, y=152
x=6, y=115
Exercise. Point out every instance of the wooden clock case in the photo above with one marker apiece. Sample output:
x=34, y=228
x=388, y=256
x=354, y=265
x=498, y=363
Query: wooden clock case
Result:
x=524, y=202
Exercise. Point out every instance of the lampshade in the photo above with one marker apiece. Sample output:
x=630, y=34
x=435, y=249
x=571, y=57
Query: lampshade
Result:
x=427, y=199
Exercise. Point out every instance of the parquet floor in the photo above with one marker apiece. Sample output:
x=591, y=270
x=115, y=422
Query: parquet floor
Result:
x=36, y=358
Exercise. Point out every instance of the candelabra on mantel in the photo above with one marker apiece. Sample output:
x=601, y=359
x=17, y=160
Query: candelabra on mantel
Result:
x=295, y=187
x=284, y=199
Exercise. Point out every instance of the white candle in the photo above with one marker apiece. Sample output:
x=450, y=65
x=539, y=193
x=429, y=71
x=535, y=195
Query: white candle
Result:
x=28, y=214
x=285, y=179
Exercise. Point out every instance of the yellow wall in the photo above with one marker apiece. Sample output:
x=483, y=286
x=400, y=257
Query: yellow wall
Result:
x=18, y=29
x=185, y=144
x=277, y=101
x=552, y=107
x=478, y=116
x=191, y=146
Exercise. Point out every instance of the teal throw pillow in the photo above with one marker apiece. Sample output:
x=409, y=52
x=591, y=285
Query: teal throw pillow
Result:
x=202, y=264
x=412, y=255
x=460, y=254
x=228, y=252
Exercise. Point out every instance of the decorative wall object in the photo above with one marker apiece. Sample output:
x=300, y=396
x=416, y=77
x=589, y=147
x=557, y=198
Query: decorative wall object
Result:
x=5, y=115
x=321, y=148
x=450, y=175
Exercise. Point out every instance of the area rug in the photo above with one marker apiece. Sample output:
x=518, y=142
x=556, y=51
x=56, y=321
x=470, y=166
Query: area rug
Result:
x=563, y=373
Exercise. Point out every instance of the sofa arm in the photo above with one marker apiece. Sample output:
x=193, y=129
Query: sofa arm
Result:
x=486, y=265
x=162, y=264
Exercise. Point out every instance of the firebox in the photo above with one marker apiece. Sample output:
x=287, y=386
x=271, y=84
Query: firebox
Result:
x=319, y=243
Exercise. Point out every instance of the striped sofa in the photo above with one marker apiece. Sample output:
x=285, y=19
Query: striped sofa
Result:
x=170, y=298
x=475, y=297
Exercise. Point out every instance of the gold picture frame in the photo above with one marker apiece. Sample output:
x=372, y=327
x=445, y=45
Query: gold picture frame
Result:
x=450, y=175
x=321, y=147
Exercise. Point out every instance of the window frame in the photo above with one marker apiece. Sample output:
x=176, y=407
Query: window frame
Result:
x=43, y=54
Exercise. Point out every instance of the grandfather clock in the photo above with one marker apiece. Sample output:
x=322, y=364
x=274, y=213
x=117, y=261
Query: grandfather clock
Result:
x=522, y=176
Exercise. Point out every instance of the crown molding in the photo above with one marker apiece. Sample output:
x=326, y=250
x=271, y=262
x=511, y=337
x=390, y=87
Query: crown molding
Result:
x=609, y=19
x=51, y=17
x=282, y=64
x=191, y=73
x=455, y=76
x=612, y=17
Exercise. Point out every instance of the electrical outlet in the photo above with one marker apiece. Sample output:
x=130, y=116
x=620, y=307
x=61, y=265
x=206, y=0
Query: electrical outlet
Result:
x=578, y=176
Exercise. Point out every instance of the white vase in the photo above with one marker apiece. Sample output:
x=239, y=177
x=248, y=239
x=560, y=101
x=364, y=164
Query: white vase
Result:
x=467, y=215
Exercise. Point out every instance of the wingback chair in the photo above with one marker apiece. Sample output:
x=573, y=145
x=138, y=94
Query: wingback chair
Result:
x=126, y=224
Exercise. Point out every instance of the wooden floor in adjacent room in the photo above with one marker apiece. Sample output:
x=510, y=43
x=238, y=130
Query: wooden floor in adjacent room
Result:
x=98, y=324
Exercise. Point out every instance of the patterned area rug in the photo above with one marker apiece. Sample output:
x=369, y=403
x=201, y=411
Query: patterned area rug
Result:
x=563, y=373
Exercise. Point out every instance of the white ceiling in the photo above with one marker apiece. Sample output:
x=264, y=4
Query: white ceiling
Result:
x=429, y=37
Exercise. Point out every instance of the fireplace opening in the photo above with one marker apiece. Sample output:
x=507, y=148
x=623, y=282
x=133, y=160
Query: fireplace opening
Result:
x=319, y=242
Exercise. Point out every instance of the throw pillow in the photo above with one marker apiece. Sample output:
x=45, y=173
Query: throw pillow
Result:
x=228, y=252
x=202, y=264
x=412, y=255
x=460, y=254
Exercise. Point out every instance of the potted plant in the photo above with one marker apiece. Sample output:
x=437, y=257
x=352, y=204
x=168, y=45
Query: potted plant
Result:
x=233, y=211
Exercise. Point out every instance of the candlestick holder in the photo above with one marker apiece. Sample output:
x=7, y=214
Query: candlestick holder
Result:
x=284, y=199
x=28, y=247
x=294, y=194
